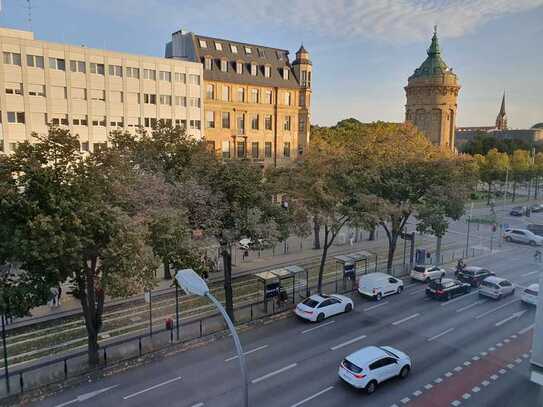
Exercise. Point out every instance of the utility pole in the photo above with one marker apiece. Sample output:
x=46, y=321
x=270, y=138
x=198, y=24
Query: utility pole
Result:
x=469, y=224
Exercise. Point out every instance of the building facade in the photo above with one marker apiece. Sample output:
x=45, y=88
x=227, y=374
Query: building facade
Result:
x=91, y=91
x=257, y=104
x=432, y=93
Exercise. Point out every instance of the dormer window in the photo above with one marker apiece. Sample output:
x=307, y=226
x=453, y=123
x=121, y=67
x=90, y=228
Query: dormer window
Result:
x=260, y=52
x=207, y=63
x=267, y=71
x=248, y=50
x=285, y=74
x=253, y=69
x=234, y=49
x=224, y=65
x=218, y=46
x=239, y=67
x=203, y=44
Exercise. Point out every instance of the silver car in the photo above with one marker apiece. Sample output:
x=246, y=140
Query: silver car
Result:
x=522, y=236
x=496, y=287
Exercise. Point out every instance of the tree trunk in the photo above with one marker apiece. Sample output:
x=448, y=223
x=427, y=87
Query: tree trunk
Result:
x=438, y=250
x=489, y=191
x=316, y=232
x=323, y=259
x=536, y=187
x=372, y=234
x=228, y=296
x=393, y=239
x=514, y=190
x=167, y=274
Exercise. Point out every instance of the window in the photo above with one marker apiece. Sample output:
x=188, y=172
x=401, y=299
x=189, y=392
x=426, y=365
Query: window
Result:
x=149, y=74
x=16, y=117
x=268, y=122
x=116, y=96
x=306, y=79
x=97, y=69
x=180, y=101
x=35, y=61
x=195, y=124
x=210, y=91
x=301, y=124
x=260, y=52
x=225, y=93
x=78, y=66
x=12, y=58
x=85, y=146
x=57, y=63
x=286, y=125
x=285, y=74
x=207, y=64
x=248, y=50
x=254, y=149
x=203, y=43
x=149, y=99
x=57, y=121
x=225, y=120
x=218, y=46
x=166, y=100
x=268, y=98
x=286, y=149
x=267, y=71
x=150, y=122
x=302, y=99
x=181, y=123
x=194, y=79
x=98, y=94
x=254, y=122
x=99, y=121
x=254, y=95
x=116, y=122
x=210, y=120
x=253, y=69
x=165, y=76
x=80, y=121
x=96, y=147
x=133, y=121
x=239, y=68
x=241, y=95
x=36, y=90
x=193, y=102
x=116, y=70
x=233, y=48
x=224, y=65
x=288, y=96
x=59, y=92
x=14, y=88
x=132, y=72
x=241, y=124
x=179, y=77
x=225, y=149
x=240, y=149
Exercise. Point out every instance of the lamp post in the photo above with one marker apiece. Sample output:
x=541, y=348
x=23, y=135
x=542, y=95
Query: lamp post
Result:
x=192, y=283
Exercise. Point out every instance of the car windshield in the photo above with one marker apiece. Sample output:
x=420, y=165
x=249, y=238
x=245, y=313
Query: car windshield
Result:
x=351, y=366
x=489, y=284
x=420, y=269
x=389, y=352
x=310, y=302
x=530, y=292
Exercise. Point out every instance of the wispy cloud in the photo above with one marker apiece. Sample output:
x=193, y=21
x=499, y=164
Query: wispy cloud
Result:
x=389, y=20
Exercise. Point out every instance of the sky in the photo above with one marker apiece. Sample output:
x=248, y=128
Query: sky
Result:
x=362, y=51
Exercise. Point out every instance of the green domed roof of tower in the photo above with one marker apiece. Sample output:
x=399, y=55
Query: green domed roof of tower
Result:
x=433, y=64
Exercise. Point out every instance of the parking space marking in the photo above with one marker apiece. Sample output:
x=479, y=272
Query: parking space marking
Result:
x=247, y=353
x=341, y=345
x=375, y=306
x=440, y=334
x=401, y=321
x=484, y=314
x=275, y=372
x=318, y=327
x=312, y=397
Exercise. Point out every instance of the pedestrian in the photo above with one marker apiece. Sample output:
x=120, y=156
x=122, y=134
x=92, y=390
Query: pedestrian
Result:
x=245, y=254
x=59, y=289
x=351, y=239
x=53, y=297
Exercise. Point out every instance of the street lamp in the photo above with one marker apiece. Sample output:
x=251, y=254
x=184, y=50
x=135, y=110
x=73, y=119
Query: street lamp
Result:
x=192, y=283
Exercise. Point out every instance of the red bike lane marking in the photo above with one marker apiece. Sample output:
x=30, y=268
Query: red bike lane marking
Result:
x=451, y=389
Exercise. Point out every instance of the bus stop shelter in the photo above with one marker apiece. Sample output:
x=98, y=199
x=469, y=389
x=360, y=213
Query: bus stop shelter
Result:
x=272, y=281
x=350, y=265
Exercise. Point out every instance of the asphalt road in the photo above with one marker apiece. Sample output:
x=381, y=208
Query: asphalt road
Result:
x=469, y=351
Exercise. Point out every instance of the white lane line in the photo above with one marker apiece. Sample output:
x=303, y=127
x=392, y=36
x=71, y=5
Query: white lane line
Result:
x=318, y=327
x=529, y=274
x=87, y=396
x=401, y=321
x=441, y=334
x=516, y=315
x=198, y=405
x=271, y=374
x=458, y=298
x=375, y=306
x=156, y=386
x=312, y=397
x=341, y=345
x=247, y=353
x=484, y=314
x=523, y=331
x=471, y=305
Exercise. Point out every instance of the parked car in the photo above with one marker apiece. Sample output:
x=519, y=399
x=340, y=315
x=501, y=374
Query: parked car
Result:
x=369, y=366
x=536, y=208
x=517, y=211
x=474, y=275
x=522, y=236
x=535, y=229
x=446, y=289
x=320, y=306
x=427, y=273
x=496, y=287
x=379, y=285
x=529, y=294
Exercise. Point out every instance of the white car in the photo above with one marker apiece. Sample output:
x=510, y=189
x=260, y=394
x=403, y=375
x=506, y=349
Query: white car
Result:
x=427, y=273
x=529, y=294
x=379, y=285
x=496, y=287
x=369, y=366
x=522, y=236
x=321, y=306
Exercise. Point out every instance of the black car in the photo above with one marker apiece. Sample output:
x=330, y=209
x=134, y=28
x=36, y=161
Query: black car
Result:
x=517, y=211
x=474, y=275
x=446, y=288
x=536, y=208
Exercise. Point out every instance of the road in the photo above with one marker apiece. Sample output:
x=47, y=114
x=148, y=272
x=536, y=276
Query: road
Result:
x=469, y=351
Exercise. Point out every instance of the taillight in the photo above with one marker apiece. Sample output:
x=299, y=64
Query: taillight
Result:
x=359, y=375
x=308, y=312
x=439, y=292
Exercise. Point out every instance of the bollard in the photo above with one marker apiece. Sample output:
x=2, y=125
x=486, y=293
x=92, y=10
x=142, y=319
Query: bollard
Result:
x=21, y=383
x=139, y=345
x=251, y=312
x=201, y=328
x=65, y=369
x=105, y=356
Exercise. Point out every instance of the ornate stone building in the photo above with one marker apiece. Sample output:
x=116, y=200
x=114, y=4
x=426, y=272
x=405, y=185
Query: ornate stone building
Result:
x=431, y=93
x=501, y=119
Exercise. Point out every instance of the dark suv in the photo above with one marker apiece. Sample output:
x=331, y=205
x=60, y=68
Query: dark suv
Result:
x=446, y=288
x=474, y=275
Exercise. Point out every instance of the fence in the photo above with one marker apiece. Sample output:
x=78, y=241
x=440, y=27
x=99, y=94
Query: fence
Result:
x=57, y=369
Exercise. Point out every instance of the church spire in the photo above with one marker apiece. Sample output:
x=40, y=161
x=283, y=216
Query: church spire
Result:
x=434, y=46
x=501, y=120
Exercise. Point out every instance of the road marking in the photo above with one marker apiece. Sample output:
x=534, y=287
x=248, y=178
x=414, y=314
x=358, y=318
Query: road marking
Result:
x=428, y=386
x=484, y=314
x=458, y=299
x=156, y=386
x=471, y=305
x=417, y=393
x=410, y=285
x=528, y=328
x=401, y=321
x=417, y=291
x=441, y=334
x=312, y=397
x=318, y=327
x=375, y=306
x=341, y=345
x=476, y=389
x=405, y=400
x=455, y=403
x=198, y=405
x=247, y=353
x=529, y=274
x=466, y=396
x=87, y=396
x=271, y=374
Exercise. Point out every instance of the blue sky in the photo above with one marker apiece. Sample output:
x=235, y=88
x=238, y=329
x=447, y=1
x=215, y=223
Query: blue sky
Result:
x=362, y=51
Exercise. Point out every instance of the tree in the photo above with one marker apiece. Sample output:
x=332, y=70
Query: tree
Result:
x=492, y=167
x=520, y=165
x=67, y=226
x=537, y=171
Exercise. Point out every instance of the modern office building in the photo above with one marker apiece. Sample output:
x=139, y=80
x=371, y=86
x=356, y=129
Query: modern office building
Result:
x=91, y=91
x=257, y=103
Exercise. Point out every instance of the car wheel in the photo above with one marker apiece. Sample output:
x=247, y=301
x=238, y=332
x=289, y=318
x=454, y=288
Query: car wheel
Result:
x=532, y=242
x=320, y=317
x=371, y=386
x=499, y=297
x=508, y=238
x=428, y=279
x=348, y=308
x=442, y=275
x=379, y=297
x=399, y=290
x=404, y=372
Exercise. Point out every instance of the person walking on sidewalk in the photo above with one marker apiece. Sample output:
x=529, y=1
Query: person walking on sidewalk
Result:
x=59, y=289
x=54, y=296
